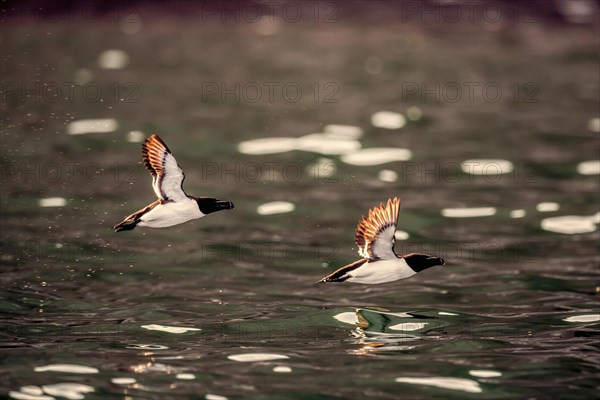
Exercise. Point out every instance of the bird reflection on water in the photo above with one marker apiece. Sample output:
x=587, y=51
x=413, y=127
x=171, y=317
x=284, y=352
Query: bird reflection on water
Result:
x=374, y=331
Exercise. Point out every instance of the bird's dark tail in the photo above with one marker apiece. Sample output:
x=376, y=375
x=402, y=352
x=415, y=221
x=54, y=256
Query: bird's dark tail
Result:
x=125, y=225
x=343, y=273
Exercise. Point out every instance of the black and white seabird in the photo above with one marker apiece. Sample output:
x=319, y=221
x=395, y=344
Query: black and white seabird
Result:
x=380, y=264
x=173, y=206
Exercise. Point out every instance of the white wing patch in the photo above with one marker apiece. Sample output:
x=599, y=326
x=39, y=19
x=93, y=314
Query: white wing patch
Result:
x=383, y=245
x=167, y=177
x=172, y=179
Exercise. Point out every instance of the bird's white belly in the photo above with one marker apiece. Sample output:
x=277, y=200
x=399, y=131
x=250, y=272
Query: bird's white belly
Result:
x=381, y=272
x=170, y=214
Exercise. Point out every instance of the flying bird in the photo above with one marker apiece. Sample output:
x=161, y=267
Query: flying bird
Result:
x=380, y=264
x=173, y=206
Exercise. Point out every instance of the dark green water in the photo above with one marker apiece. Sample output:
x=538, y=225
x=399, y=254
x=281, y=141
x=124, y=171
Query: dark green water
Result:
x=514, y=314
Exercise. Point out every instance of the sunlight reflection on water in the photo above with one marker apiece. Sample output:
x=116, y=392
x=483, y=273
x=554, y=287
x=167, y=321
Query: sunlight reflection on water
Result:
x=547, y=206
x=347, y=318
x=570, y=224
x=465, y=385
x=492, y=167
x=387, y=175
x=147, y=347
x=69, y=368
x=84, y=126
x=71, y=391
x=323, y=143
x=275, y=207
x=169, y=329
x=591, y=167
x=67, y=390
x=468, y=212
x=185, y=376
x=584, y=318
x=113, y=59
x=343, y=131
x=388, y=120
x=401, y=235
x=135, y=136
x=282, y=369
x=256, y=357
x=53, y=202
x=123, y=381
x=377, y=156
x=29, y=393
x=408, y=326
x=211, y=396
x=482, y=373
x=519, y=213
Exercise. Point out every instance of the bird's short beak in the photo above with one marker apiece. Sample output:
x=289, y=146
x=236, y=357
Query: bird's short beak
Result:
x=224, y=205
x=438, y=260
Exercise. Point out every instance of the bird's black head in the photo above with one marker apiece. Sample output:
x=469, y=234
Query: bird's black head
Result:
x=208, y=205
x=419, y=262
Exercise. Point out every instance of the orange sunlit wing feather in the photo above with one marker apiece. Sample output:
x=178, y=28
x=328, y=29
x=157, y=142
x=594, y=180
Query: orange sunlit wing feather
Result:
x=375, y=233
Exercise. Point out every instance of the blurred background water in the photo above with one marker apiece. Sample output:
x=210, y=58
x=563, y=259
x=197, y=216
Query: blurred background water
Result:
x=482, y=116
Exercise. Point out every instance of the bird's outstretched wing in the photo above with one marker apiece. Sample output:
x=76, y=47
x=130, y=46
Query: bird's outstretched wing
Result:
x=375, y=233
x=167, y=177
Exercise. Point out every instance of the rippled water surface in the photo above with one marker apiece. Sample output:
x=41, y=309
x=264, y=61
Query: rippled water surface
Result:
x=227, y=307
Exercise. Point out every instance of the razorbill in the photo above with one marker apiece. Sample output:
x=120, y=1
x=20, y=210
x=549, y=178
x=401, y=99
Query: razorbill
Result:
x=380, y=264
x=173, y=206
